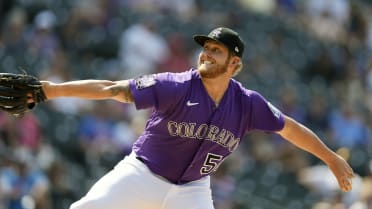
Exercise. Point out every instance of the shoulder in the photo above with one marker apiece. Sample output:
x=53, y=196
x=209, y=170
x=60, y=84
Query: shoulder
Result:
x=176, y=82
x=161, y=79
x=181, y=77
x=247, y=93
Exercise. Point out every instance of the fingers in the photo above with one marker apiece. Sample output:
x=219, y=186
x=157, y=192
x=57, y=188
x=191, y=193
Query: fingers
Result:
x=345, y=184
x=345, y=176
x=350, y=173
x=345, y=181
x=30, y=100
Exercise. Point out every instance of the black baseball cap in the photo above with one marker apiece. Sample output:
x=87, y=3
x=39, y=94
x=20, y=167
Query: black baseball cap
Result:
x=226, y=36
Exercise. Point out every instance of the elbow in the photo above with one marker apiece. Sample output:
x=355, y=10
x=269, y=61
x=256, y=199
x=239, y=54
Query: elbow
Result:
x=290, y=128
x=121, y=92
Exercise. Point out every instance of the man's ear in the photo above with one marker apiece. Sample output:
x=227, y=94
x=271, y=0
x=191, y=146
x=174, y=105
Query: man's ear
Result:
x=235, y=60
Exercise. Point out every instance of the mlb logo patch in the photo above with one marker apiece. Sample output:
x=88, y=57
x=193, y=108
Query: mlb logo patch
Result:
x=145, y=81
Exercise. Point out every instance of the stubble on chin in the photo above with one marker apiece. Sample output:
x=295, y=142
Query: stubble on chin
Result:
x=205, y=73
x=215, y=71
x=212, y=72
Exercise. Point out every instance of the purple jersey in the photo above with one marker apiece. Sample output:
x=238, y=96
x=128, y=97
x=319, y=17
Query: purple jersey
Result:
x=187, y=136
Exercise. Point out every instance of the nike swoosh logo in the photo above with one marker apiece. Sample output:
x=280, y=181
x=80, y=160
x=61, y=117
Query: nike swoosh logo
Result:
x=191, y=103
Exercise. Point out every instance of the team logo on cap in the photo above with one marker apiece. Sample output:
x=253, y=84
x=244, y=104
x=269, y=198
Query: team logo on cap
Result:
x=216, y=33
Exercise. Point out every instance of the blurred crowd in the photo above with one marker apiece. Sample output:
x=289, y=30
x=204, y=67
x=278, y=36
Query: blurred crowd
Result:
x=311, y=58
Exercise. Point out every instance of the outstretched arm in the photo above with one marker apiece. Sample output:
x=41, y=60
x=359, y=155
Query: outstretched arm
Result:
x=307, y=140
x=90, y=89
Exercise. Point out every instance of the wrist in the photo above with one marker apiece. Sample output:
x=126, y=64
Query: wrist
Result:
x=48, y=88
x=330, y=157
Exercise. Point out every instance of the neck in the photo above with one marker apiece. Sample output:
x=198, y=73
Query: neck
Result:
x=216, y=87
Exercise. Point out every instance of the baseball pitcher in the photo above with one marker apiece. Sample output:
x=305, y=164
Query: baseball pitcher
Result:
x=199, y=117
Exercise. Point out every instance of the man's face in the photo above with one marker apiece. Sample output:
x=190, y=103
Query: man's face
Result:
x=213, y=60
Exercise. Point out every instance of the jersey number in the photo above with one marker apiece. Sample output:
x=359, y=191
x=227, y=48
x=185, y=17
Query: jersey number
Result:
x=211, y=163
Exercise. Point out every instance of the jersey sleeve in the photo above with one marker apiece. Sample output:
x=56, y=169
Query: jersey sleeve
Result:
x=159, y=91
x=264, y=115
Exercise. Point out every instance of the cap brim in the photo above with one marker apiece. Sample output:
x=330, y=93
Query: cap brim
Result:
x=201, y=39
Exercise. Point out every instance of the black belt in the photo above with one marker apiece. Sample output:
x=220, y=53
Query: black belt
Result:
x=140, y=159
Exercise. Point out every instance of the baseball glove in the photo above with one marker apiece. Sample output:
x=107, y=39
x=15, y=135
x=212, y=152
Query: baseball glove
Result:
x=19, y=93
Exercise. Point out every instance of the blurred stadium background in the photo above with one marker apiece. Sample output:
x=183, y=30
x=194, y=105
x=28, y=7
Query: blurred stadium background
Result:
x=311, y=58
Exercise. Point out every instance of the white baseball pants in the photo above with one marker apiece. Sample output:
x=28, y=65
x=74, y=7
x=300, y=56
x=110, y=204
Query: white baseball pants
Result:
x=131, y=185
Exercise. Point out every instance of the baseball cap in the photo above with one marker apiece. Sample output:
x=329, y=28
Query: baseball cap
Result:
x=226, y=36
